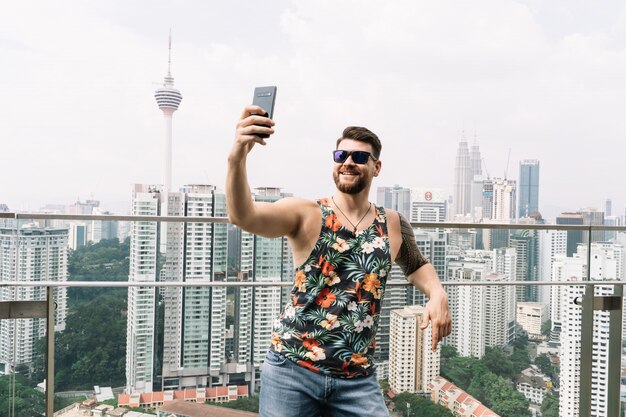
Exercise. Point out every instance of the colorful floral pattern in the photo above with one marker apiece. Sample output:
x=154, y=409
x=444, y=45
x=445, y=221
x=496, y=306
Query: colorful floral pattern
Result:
x=329, y=326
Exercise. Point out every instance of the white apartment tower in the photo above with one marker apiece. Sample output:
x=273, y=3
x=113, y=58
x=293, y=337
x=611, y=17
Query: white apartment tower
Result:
x=551, y=244
x=504, y=266
x=43, y=254
x=412, y=362
x=483, y=316
x=195, y=317
x=243, y=298
x=467, y=305
x=607, y=263
x=499, y=311
x=563, y=269
x=141, y=322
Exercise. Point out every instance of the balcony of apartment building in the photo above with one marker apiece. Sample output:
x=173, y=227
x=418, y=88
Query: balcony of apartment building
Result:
x=225, y=300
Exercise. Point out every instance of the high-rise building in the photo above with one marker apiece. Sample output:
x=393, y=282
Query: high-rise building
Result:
x=498, y=207
x=144, y=267
x=593, y=217
x=607, y=207
x=477, y=180
x=101, y=229
x=396, y=198
x=195, y=317
x=611, y=221
x=43, y=256
x=531, y=317
x=77, y=235
x=528, y=187
x=434, y=248
x=551, y=244
x=80, y=207
x=467, y=179
x=483, y=316
x=428, y=205
x=80, y=231
x=412, y=362
x=574, y=237
x=564, y=268
x=607, y=264
x=526, y=244
x=396, y=297
x=467, y=304
x=501, y=300
x=462, y=187
x=499, y=199
x=241, y=251
x=499, y=311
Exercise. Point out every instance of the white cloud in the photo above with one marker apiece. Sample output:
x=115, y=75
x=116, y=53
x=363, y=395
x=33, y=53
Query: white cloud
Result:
x=79, y=107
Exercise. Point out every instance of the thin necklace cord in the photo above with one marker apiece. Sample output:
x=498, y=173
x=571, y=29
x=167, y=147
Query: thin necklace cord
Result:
x=344, y=214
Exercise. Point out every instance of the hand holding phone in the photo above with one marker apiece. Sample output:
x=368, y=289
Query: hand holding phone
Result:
x=265, y=97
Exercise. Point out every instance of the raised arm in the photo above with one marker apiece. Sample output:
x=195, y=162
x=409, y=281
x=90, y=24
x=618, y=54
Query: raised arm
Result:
x=266, y=219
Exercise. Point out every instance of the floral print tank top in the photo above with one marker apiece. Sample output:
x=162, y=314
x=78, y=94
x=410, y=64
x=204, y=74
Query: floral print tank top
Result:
x=329, y=325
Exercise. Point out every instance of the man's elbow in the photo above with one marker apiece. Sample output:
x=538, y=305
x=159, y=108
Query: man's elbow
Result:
x=238, y=221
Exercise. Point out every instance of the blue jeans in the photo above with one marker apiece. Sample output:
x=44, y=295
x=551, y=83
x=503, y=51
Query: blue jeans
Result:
x=289, y=390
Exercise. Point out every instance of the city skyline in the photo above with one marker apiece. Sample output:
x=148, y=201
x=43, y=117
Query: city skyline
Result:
x=540, y=80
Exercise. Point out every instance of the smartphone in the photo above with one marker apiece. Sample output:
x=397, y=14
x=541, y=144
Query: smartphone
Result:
x=265, y=97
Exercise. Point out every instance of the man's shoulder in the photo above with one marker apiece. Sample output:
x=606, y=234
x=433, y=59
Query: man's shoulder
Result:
x=393, y=221
x=297, y=202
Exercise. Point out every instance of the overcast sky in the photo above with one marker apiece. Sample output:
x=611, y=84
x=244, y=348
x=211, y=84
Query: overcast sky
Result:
x=545, y=80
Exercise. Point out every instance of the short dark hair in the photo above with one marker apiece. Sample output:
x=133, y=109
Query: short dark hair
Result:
x=362, y=134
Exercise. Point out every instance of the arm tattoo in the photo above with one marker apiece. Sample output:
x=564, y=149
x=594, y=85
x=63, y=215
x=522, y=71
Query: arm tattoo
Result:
x=410, y=258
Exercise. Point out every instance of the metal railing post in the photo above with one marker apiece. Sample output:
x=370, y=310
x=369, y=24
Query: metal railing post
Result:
x=586, y=339
x=615, y=352
x=586, y=351
x=50, y=353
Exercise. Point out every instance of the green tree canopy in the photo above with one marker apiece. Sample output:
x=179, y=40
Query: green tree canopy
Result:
x=489, y=379
x=91, y=351
x=28, y=401
x=550, y=406
x=544, y=364
x=419, y=406
x=107, y=260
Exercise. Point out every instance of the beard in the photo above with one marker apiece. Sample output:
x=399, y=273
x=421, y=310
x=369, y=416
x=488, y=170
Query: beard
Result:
x=356, y=187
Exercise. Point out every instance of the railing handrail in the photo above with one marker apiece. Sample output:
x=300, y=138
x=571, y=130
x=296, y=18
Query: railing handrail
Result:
x=186, y=284
x=206, y=219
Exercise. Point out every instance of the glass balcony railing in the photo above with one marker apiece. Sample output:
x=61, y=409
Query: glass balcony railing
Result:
x=185, y=306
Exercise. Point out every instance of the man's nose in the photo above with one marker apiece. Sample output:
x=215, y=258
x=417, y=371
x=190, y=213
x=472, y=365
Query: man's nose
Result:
x=349, y=160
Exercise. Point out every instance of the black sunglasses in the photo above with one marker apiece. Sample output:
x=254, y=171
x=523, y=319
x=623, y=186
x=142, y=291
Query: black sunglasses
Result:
x=358, y=157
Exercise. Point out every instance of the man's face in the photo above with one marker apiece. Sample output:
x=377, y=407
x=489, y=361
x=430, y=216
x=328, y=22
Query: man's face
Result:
x=352, y=178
